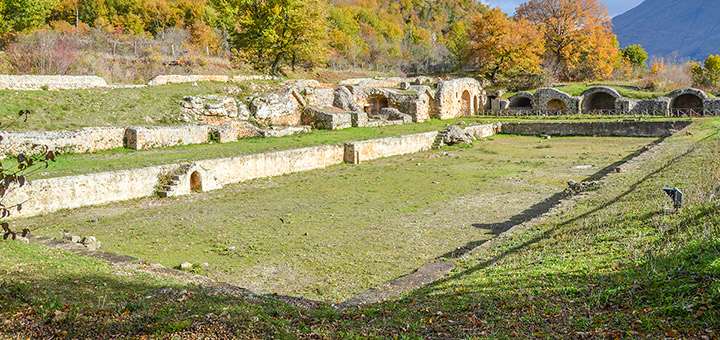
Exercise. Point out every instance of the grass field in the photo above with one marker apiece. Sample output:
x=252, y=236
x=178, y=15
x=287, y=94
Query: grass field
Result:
x=346, y=228
x=75, y=109
x=616, y=263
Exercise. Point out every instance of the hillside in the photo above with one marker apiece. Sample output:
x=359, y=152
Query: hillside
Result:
x=665, y=26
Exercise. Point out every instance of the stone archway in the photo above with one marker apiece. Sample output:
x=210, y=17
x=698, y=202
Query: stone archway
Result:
x=599, y=101
x=556, y=105
x=376, y=103
x=467, y=104
x=687, y=101
x=196, y=181
x=521, y=103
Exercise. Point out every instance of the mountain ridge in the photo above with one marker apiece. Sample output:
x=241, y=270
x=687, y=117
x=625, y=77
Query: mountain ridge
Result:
x=682, y=29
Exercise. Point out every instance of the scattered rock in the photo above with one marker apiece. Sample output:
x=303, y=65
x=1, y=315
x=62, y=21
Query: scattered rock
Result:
x=24, y=240
x=578, y=187
x=389, y=113
x=186, y=266
x=405, y=86
x=91, y=243
x=456, y=135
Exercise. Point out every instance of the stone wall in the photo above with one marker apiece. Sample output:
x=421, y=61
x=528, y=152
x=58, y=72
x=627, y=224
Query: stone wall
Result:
x=85, y=140
x=357, y=152
x=600, y=98
x=483, y=131
x=243, y=168
x=53, y=194
x=180, y=79
x=459, y=98
x=157, y=137
x=554, y=100
x=620, y=129
x=28, y=82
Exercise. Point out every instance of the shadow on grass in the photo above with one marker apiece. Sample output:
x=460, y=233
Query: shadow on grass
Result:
x=542, y=207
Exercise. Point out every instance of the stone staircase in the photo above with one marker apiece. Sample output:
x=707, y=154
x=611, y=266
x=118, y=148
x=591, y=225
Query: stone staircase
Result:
x=168, y=189
x=439, y=139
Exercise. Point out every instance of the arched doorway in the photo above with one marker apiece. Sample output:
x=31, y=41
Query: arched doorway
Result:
x=196, y=181
x=466, y=104
x=556, y=105
x=598, y=102
x=376, y=103
x=521, y=103
x=687, y=105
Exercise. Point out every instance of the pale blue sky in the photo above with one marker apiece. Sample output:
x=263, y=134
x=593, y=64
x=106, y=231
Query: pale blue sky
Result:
x=615, y=7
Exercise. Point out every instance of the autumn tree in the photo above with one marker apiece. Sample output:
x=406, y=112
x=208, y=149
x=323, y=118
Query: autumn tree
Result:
x=272, y=32
x=635, y=55
x=505, y=47
x=458, y=43
x=578, y=40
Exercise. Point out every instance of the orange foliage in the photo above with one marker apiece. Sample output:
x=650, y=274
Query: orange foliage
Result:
x=504, y=46
x=579, y=41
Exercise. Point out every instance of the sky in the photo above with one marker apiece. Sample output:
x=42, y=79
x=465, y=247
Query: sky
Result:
x=615, y=7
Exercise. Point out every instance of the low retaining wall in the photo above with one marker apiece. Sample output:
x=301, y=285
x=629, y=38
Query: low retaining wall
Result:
x=30, y=82
x=357, y=152
x=247, y=167
x=620, y=129
x=85, y=140
x=145, y=138
x=53, y=194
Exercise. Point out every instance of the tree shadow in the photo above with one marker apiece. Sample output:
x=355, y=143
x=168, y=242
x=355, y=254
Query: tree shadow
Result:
x=542, y=207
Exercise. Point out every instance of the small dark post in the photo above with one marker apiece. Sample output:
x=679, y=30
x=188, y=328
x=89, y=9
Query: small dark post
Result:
x=676, y=195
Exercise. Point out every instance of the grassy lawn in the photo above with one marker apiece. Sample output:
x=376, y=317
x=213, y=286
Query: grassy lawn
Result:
x=75, y=109
x=346, y=228
x=613, y=264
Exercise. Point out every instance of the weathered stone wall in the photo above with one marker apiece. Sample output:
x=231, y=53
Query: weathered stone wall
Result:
x=621, y=129
x=522, y=101
x=357, y=152
x=320, y=97
x=712, y=106
x=85, y=140
x=549, y=99
x=327, y=118
x=243, y=168
x=459, y=98
x=179, y=79
x=53, y=194
x=29, y=82
x=659, y=106
x=483, y=131
x=157, y=137
x=277, y=109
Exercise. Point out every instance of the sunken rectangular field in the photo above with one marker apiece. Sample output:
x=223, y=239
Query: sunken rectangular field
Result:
x=332, y=233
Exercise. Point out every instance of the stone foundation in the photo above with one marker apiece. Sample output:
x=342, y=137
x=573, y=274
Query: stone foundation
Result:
x=158, y=137
x=29, y=82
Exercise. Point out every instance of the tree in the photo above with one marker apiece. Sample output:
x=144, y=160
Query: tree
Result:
x=635, y=55
x=272, y=32
x=14, y=175
x=503, y=46
x=458, y=43
x=578, y=40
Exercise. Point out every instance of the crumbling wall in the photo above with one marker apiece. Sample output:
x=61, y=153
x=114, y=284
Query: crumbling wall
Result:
x=86, y=140
x=459, y=98
x=32, y=82
x=157, y=137
x=522, y=101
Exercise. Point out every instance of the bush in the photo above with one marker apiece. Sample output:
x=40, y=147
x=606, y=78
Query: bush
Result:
x=43, y=53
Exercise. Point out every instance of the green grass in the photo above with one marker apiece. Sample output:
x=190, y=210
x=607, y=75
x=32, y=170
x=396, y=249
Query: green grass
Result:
x=75, y=109
x=614, y=264
x=365, y=224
